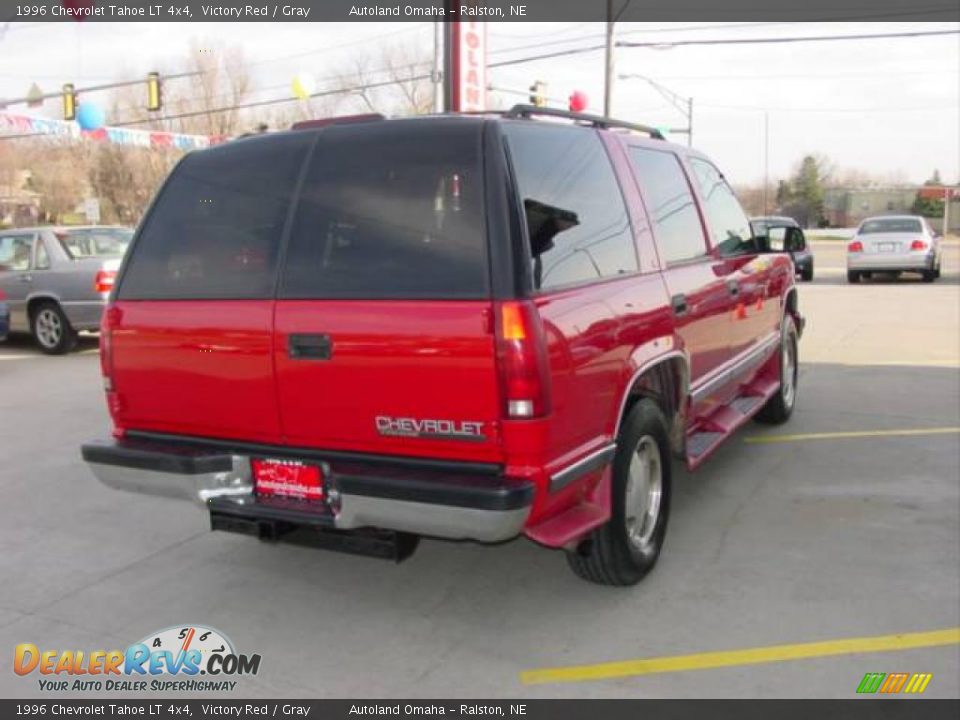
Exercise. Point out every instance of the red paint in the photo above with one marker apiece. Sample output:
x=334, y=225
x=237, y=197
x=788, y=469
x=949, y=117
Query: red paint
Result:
x=195, y=367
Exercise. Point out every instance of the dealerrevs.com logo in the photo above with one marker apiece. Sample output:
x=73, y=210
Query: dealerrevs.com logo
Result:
x=183, y=658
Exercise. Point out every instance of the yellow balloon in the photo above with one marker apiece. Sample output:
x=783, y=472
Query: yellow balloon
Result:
x=303, y=86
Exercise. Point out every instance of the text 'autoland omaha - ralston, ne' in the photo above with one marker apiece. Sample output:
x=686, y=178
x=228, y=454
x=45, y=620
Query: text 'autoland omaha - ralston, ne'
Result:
x=439, y=11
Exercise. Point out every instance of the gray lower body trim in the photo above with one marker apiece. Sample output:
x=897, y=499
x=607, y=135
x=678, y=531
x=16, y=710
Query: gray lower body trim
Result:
x=592, y=462
x=750, y=359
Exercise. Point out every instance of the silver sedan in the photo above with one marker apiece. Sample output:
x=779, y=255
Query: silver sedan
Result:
x=57, y=279
x=894, y=244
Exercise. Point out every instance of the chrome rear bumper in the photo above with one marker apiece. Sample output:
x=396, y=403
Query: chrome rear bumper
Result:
x=449, y=503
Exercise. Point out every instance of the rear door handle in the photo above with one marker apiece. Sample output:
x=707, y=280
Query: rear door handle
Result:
x=733, y=287
x=679, y=304
x=26, y=278
x=309, y=347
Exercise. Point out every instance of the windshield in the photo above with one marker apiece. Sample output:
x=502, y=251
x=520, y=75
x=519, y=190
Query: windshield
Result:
x=891, y=225
x=95, y=242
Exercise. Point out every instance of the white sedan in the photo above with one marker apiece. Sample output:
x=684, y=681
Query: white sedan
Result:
x=894, y=244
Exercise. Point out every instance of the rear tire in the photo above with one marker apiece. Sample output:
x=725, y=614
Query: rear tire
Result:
x=51, y=329
x=625, y=549
x=807, y=273
x=853, y=276
x=930, y=275
x=778, y=409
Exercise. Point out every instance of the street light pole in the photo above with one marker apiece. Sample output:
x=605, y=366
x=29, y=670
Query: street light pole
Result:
x=766, y=159
x=682, y=104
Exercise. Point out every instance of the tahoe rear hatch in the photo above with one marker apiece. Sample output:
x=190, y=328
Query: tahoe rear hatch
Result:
x=323, y=289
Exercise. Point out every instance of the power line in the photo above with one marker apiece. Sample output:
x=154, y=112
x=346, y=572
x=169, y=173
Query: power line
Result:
x=768, y=41
x=720, y=41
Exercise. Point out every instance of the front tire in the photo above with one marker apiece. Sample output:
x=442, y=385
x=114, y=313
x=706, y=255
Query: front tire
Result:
x=51, y=329
x=626, y=548
x=778, y=409
x=807, y=273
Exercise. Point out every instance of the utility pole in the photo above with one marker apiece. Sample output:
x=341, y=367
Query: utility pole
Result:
x=608, y=74
x=689, y=122
x=448, y=66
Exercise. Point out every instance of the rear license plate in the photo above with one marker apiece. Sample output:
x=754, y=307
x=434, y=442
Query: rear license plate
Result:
x=889, y=247
x=287, y=478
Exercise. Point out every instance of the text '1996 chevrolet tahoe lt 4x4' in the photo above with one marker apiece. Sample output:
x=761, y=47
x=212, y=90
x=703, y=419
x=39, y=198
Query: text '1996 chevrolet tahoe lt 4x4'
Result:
x=364, y=331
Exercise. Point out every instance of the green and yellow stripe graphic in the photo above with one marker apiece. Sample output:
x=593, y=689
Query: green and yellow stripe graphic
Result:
x=893, y=683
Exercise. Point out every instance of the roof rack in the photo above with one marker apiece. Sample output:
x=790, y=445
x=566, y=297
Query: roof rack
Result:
x=527, y=111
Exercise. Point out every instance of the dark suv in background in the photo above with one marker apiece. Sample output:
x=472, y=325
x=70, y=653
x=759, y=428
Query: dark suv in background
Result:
x=467, y=327
x=784, y=234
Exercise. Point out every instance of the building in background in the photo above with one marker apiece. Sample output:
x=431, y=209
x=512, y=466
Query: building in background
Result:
x=845, y=207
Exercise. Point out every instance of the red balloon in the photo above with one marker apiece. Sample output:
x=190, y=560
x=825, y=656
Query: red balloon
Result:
x=78, y=5
x=578, y=101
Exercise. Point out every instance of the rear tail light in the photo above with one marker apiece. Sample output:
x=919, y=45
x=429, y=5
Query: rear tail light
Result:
x=103, y=283
x=855, y=246
x=522, y=360
x=111, y=318
x=918, y=245
x=3, y=295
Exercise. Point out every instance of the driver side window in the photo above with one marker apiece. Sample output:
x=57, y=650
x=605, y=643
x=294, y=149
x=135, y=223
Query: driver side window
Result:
x=729, y=225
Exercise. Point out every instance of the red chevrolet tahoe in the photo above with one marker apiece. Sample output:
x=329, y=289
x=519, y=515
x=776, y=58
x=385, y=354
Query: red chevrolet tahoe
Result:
x=470, y=327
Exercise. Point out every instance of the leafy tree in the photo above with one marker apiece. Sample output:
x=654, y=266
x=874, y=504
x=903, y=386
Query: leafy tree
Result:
x=928, y=207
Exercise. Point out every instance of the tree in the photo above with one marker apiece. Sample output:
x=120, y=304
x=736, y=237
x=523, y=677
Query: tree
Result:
x=801, y=196
x=927, y=206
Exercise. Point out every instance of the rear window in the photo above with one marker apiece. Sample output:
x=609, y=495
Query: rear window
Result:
x=391, y=210
x=216, y=229
x=891, y=225
x=95, y=242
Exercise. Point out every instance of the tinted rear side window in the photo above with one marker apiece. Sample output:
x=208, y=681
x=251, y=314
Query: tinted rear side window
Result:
x=216, y=230
x=576, y=218
x=671, y=205
x=391, y=210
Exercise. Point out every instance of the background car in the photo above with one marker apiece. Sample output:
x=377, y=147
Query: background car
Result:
x=57, y=279
x=894, y=244
x=785, y=235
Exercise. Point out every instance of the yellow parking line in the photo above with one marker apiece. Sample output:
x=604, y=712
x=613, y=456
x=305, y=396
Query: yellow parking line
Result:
x=851, y=434
x=751, y=656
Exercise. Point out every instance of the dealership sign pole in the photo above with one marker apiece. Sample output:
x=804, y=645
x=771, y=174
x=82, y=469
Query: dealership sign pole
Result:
x=467, y=66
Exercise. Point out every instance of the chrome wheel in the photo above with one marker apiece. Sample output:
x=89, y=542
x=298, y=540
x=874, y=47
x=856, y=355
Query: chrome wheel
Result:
x=49, y=328
x=644, y=493
x=788, y=371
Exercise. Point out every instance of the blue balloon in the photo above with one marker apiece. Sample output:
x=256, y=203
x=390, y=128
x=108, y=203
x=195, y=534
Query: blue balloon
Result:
x=90, y=116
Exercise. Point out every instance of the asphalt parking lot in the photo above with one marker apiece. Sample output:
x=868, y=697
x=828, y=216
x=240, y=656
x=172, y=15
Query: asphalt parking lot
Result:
x=844, y=523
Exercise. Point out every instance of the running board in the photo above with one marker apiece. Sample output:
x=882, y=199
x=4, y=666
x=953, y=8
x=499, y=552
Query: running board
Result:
x=725, y=420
